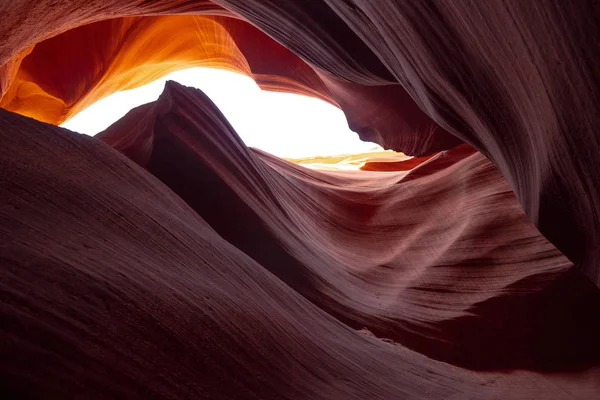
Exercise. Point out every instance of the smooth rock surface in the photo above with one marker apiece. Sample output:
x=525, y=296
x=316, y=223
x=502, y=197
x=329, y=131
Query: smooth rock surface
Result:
x=113, y=286
x=165, y=259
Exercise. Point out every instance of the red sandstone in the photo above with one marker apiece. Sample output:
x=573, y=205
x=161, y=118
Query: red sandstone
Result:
x=165, y=259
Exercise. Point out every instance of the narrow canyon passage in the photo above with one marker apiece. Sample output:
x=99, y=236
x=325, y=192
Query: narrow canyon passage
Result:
x=169, y=256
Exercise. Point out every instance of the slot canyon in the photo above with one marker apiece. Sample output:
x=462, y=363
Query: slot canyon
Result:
x=165, y=258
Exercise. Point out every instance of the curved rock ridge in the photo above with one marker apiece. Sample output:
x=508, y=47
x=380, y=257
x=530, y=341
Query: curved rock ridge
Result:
x=430, y=258
x=147, y=296
x=518, y=81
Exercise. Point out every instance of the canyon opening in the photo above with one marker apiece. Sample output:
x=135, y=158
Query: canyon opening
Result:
x=324, y=199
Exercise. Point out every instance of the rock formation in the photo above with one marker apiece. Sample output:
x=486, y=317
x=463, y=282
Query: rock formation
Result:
x=163, y=258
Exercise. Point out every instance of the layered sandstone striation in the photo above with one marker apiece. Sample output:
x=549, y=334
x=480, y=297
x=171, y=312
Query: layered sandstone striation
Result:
x=163, y=258
x=212, y=270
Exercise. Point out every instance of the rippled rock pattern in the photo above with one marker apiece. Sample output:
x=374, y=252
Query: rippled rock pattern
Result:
x=163, y=258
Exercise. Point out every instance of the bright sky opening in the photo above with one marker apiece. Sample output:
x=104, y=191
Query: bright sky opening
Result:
x=283, y=124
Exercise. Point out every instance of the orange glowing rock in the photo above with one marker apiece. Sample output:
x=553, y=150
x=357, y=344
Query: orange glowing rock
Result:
x=124, y=53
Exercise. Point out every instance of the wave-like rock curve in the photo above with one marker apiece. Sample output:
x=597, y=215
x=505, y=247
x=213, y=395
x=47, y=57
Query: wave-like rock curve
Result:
x=377, y=251
x=516, y=80
x=248, y=290
x=199, y=267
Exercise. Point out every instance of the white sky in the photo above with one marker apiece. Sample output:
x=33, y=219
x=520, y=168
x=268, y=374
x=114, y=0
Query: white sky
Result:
x=283, y=124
